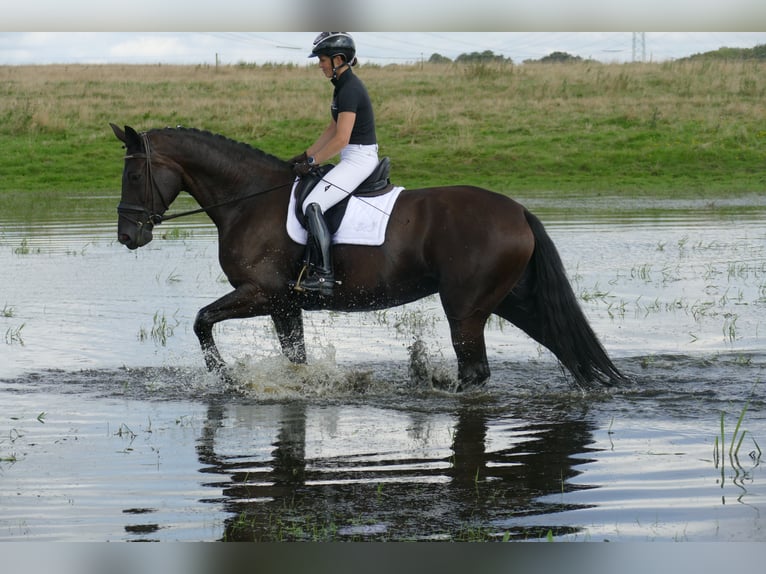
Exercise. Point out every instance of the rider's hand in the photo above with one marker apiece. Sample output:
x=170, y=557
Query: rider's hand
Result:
x=302, y=168
x=300, y=158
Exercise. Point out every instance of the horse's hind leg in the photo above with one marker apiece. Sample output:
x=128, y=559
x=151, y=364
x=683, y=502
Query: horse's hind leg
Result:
x=518, y=308
x=470, y=350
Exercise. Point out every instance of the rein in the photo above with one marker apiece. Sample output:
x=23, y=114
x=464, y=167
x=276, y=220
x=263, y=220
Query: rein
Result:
x=159, y=218
x=151, y=186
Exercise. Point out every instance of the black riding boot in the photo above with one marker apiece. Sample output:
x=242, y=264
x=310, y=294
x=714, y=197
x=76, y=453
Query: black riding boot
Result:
x=321, y=277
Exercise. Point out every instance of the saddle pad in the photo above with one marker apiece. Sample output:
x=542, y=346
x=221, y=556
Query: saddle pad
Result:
x=365, y=221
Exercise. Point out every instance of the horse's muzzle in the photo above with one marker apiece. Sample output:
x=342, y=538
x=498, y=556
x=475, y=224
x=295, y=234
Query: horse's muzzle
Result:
x=141, y=237
x=134, y=226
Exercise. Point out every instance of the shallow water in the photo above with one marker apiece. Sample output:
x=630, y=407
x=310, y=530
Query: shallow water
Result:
x=110, y=429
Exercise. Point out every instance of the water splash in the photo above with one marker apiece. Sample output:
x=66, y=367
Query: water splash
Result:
x=424, y=374
x=276, y=378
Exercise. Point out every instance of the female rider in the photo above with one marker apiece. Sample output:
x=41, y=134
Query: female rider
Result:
x=350, y=133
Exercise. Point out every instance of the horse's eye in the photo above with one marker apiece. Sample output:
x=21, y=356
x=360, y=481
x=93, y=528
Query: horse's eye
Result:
x=134, y=177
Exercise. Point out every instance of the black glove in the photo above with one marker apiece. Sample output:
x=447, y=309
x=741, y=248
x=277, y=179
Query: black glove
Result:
x=302, y=168
x=300, y=158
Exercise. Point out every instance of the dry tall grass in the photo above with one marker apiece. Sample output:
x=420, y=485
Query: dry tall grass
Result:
x=239, y=98
x=536, y=120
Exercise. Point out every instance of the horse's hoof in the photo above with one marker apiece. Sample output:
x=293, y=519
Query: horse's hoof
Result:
x=223, y=374
x=470, y=385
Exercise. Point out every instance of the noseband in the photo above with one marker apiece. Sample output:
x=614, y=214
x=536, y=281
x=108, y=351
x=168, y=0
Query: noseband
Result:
x=132, y=211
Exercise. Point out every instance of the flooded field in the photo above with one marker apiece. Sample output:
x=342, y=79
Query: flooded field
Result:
x=111, y=430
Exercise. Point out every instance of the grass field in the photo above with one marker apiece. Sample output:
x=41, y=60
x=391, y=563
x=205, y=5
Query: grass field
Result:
x=688, y=129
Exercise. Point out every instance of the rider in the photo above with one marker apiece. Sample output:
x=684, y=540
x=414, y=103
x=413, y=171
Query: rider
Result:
x=351, y=132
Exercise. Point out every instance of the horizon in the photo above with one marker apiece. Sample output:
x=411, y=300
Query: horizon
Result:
x=259, y=48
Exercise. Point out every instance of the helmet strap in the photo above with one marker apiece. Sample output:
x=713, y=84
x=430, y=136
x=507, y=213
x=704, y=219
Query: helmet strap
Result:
x=336, y=68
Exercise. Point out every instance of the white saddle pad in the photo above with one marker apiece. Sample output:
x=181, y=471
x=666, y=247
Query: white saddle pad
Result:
x=364, y=223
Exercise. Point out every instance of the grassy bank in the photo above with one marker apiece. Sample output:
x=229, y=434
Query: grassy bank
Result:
x=690, y=129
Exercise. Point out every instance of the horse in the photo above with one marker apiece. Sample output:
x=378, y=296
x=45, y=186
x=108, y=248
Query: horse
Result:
x=481, y=251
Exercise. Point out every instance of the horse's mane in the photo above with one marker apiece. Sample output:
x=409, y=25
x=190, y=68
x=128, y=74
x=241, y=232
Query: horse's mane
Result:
x=234, y=153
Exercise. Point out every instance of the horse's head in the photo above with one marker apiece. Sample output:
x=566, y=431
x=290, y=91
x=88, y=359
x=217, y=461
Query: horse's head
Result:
x=149, y=185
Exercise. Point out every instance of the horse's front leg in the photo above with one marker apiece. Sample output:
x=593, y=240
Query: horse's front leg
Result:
x=289, y=325
x=239, y=304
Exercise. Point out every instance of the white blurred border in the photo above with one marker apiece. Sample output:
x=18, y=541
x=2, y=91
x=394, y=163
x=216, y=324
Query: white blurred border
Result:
x=392, y=15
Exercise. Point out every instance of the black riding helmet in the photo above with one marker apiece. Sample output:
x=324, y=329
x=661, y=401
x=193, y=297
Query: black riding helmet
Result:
x=335, y=44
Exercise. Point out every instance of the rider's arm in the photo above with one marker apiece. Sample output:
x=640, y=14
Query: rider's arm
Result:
x=333, y=139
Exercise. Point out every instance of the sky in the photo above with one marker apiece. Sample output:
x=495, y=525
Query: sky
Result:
x=374, y=47
x=193, y=32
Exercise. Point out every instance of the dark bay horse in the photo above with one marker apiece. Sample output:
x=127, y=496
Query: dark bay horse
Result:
x=482, y=252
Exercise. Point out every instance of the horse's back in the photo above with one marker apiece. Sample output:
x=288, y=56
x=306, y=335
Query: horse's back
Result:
x=447, y=212
x=465, y=201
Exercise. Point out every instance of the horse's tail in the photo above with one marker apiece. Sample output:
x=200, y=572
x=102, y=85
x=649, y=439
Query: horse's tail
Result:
x=561, y=323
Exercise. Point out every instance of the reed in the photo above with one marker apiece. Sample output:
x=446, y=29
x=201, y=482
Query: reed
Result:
x=13, y=335
x=735, y=444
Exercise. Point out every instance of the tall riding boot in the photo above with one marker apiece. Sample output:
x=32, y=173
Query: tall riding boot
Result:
x=322, y=278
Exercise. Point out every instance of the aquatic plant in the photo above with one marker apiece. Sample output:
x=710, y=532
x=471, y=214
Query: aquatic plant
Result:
x=735, y=444
x=176, y=233
x=730, y=326
x=13, y=335
x=161, y=330
x=23, y=248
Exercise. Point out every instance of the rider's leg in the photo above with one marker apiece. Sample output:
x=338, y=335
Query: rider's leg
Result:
x=357, y=162
x=323, y=279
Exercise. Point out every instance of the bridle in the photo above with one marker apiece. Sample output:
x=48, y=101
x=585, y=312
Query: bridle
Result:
x=131, y=211
x=150, y=186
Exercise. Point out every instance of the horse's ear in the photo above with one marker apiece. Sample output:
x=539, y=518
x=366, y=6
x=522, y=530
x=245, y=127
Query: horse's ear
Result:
x=129, y=137
x=119, y=133
x=133, y=140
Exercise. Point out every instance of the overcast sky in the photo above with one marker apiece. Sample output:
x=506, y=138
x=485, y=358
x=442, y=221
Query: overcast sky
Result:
x=174, y=31
x=375, y=47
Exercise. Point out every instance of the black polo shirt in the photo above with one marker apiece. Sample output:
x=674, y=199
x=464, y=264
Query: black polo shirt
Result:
x=351, y=95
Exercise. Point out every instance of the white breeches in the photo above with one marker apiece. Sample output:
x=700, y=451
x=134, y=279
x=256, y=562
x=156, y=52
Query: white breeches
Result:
x=356, y=163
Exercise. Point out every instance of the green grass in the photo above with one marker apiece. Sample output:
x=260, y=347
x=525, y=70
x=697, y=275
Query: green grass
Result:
x=679, y=129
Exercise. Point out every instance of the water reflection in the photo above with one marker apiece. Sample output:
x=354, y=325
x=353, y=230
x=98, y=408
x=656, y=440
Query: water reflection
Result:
x=679, y=301
x=468, y=471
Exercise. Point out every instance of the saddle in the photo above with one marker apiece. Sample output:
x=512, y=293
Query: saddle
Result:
x=377, y=183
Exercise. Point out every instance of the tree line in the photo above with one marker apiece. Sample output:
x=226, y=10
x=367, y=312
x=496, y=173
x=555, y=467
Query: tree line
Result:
x=488, y=56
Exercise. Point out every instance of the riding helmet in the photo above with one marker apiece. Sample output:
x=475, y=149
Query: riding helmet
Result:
x=335, y=44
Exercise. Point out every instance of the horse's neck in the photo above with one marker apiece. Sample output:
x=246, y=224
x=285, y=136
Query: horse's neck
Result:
x=213, y=180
